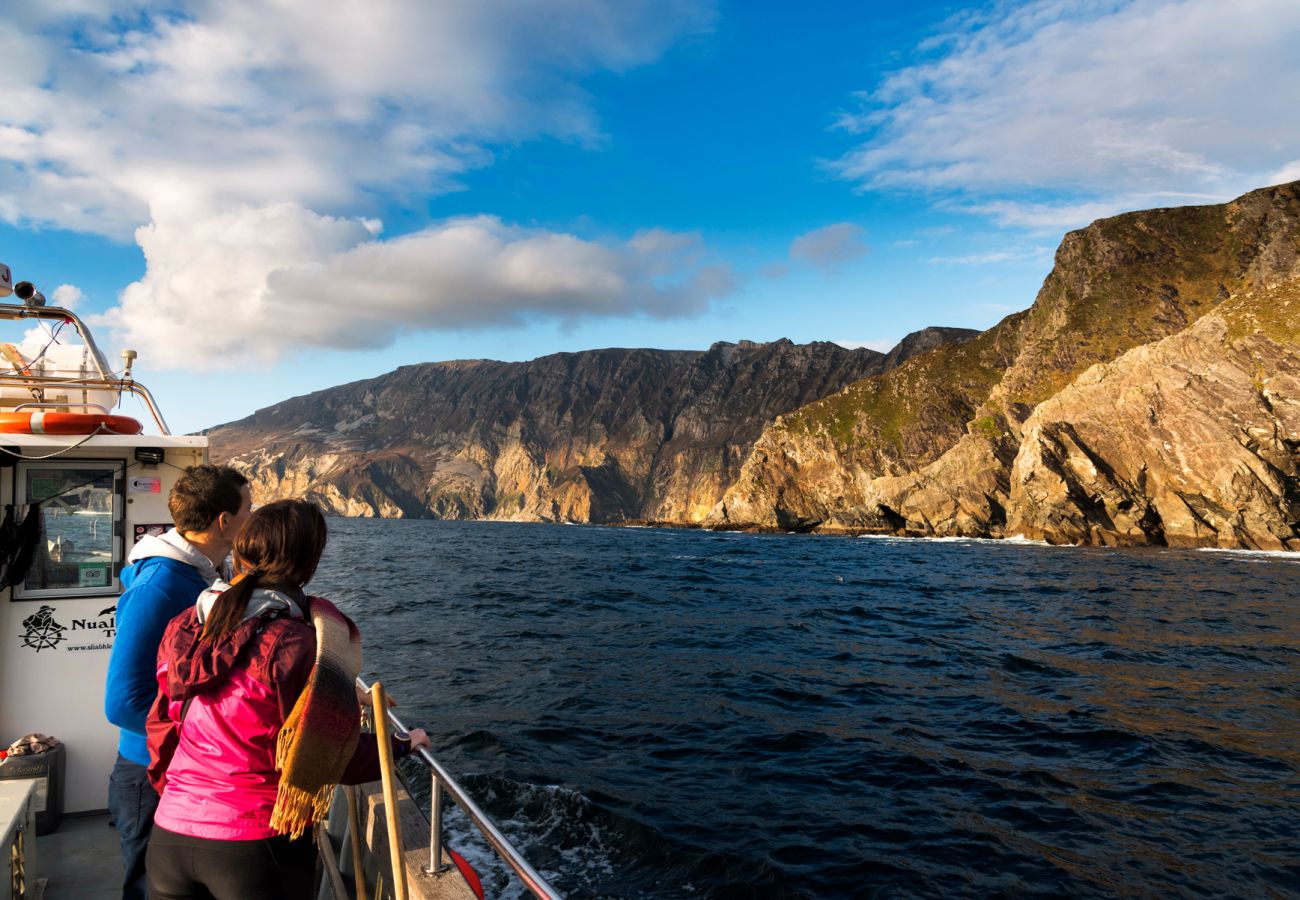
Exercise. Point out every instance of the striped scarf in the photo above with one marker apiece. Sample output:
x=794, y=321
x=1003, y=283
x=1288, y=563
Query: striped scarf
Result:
x=318, y=739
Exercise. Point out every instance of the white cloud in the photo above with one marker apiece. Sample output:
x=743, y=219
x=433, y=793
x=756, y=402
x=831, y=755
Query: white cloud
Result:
x=246, y=285
x=1053, y=217
x=1071, y=107
x=880, y=346
x=993, y=256
x=67, y=296
x=1050, y=217
x=206, y=103
x=1289, y=172
x=190, y=125
x=831, y=246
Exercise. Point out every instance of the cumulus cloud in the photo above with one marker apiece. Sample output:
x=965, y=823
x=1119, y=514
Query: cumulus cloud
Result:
x=188, y=125
x=256, y=280
x=200, y=102
x=1074, y=108
x=831, y=246
x=68, y=296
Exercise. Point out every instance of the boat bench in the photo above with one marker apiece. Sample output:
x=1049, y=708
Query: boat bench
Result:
x=17, y=840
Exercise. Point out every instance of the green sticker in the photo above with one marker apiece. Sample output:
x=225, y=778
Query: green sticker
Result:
x=93, y=575
x=43, y=488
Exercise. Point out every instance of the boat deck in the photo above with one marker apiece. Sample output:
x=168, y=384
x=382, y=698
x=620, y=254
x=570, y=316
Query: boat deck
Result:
x=81, y=860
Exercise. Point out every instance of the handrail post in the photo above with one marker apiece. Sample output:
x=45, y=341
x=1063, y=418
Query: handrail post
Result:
x=380, y=701
x=444, y=780
x=435, y=828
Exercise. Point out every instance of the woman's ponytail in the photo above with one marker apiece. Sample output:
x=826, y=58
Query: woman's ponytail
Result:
x=228, y=610
x=278, y=548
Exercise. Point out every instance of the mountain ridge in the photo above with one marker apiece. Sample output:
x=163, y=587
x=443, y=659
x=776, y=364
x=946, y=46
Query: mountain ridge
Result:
x=1043, y=425
x=599, y=435
x=844, y=463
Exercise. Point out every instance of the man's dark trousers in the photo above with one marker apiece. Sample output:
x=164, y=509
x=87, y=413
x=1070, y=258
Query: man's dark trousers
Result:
x=131, y=803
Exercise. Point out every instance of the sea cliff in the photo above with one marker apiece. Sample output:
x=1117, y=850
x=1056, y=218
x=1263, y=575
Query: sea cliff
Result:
x=1171, y=329
x=599, y=436
x=1148, y=396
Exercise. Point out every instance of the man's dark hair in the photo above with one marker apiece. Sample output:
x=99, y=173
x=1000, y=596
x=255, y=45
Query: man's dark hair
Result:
x=202, y=494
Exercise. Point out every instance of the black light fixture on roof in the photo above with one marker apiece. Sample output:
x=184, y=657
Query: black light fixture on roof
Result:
x=149, y=455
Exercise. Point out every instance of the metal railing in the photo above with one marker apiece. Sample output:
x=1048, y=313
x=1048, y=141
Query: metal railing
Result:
x=135, y=388
x=103, y=410
x=105, y=379
x=442, y=780
x=14, y=312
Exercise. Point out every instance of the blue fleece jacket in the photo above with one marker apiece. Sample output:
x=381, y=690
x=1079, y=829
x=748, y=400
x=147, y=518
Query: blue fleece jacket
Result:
x=157, y=590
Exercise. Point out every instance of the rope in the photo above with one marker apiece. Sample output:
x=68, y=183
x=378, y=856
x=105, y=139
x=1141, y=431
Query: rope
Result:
x=101, y=428
x=98, y=429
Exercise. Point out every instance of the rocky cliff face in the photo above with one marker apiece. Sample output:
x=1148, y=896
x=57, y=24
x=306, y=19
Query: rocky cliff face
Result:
x=1190, y=441
x=1038, y=426
x=601, y=436
x=1149, y=395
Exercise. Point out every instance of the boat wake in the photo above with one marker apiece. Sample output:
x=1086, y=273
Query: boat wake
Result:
x=586, y=849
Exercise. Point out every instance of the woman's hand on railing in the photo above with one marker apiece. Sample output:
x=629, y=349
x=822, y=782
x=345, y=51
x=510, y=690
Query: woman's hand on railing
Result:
x=418, y=739
x=365, y=698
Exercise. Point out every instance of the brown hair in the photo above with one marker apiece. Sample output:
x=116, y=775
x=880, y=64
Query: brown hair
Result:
x=279, y=547
x=204, y=492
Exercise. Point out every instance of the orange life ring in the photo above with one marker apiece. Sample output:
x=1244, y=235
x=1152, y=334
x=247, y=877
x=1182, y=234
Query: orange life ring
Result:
x=42, y=422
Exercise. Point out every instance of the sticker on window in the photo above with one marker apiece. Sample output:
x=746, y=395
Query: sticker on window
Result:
x=140, y=532
x=93, y=575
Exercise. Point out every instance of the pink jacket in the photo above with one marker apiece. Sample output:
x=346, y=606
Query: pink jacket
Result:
x=216, y=771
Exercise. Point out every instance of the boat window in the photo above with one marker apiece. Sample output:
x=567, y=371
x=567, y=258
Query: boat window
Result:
x=79, y=549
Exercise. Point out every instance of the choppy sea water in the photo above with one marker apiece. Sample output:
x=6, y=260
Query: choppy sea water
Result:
x=658, y=713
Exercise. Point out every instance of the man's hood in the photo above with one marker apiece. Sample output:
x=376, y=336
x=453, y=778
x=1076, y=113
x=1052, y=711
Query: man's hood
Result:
x=171, y=545
x=200, y=663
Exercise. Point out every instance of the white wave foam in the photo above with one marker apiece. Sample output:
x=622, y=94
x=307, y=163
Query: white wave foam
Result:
x=1271, y=555
x=586, y=850
x=1017, y=540
x=1021, y=539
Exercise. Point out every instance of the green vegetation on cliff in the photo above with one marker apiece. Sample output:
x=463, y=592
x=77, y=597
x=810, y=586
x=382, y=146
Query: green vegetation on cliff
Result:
x=1135, y=278
x=928, y=447
x=1117, y=284
x=913, y=412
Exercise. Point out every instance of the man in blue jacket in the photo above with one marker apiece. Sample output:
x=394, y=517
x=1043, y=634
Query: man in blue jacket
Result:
x=163, y=578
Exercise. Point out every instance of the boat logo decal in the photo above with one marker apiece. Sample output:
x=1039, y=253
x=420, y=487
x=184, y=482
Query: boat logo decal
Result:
x=43, y=633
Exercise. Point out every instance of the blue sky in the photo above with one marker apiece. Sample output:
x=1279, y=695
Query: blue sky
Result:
x=266, y=199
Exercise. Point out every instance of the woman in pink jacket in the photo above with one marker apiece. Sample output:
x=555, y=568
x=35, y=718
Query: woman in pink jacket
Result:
x=256, y=719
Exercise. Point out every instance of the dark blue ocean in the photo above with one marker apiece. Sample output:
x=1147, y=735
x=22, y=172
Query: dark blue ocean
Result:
x=658, y=713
